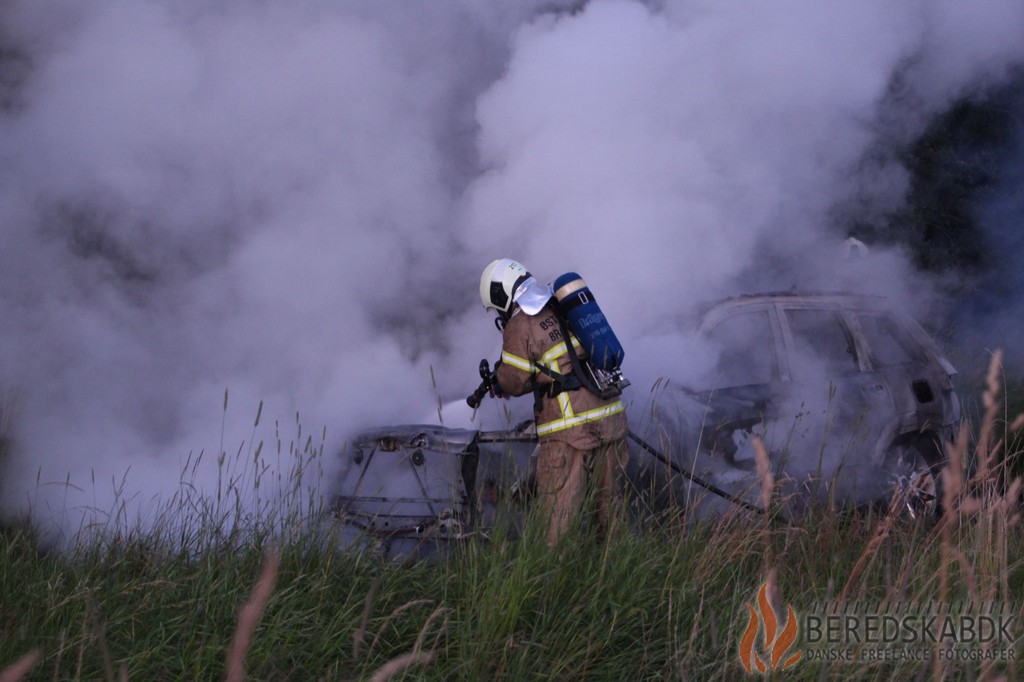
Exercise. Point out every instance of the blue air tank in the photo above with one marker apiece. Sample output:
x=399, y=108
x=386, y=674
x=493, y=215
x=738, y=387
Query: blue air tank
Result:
x=578, y=306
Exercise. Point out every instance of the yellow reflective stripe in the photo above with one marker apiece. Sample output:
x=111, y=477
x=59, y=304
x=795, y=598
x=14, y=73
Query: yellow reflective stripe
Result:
x=558, y=351
x=550, y=360
x=581, y=418
x=517, y=362
x=563, y=398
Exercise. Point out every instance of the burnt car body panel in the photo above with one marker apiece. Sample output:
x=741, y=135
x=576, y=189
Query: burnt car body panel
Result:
x=429, y=481
x=840, y=388
x=849, y=397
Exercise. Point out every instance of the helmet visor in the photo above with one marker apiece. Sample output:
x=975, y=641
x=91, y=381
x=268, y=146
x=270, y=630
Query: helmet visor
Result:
x=531, y=295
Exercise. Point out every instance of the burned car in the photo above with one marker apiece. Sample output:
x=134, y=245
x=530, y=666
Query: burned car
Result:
x=852, y=401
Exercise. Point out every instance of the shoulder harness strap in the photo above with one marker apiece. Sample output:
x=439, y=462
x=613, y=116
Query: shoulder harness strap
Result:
x=579, y=378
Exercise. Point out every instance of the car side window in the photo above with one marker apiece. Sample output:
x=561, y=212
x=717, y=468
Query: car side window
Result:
x=889, y=342
x=747, y=350
x=822, y=343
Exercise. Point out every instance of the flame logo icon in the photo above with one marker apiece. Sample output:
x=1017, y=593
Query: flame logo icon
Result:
x=776, y=641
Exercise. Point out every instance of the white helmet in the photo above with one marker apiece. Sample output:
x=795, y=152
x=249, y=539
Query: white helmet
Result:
x=505, y=282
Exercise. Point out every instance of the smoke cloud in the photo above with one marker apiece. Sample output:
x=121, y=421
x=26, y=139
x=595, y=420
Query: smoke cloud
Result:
x=293, y=200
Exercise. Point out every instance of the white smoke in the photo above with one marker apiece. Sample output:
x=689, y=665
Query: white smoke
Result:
x=699, y=150
x=294, y=200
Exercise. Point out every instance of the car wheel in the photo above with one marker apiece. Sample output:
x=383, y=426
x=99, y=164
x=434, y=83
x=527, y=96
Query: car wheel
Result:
x=914, y=466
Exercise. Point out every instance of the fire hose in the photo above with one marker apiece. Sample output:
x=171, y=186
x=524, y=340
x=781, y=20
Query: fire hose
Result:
x=707, y=485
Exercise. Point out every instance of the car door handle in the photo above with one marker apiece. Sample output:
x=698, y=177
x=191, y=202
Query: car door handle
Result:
x=874, y=389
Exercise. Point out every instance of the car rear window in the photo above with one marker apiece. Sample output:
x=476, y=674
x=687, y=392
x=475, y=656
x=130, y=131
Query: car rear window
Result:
x=747, y=350
x=889, y=342
x=822, y=344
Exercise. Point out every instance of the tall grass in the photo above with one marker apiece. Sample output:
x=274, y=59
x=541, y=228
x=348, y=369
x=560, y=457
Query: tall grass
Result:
x=228, y=598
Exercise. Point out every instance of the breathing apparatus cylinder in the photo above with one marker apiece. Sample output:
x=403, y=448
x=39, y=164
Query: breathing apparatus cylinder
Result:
x=577, y=305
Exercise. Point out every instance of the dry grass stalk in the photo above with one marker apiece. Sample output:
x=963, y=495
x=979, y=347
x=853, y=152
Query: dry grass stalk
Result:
x=400, y=609
x=360, y=634
x=249, y=617
x=730, y=543
x=101, y=638
x=400, y=664
x=952, y=477
x=772, y=590
x=19, y=668
x=439, y=611
x=987, y=452
x=1009, y=502
x=764, y=472
x=869, y=553
x=969, y=576
x=698, y=618
x=993, y=507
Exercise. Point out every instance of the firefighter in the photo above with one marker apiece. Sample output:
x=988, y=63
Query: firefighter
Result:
x=582, y=437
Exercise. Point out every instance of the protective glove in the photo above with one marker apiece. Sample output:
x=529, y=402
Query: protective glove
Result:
x=496, y=390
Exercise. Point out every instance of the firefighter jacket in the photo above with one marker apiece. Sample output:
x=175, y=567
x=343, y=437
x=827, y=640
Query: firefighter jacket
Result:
x=576, y=417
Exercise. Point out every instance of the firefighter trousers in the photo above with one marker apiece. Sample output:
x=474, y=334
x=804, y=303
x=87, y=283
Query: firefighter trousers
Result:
x=566, y=476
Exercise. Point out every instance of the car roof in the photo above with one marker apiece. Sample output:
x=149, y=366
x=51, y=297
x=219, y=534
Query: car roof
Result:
x=725, y=307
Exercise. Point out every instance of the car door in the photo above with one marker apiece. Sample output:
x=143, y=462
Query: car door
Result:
x=922, y=387
x=747, y=378
x=841, y=408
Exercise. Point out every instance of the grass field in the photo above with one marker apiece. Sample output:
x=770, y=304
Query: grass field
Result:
x=670, y=602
